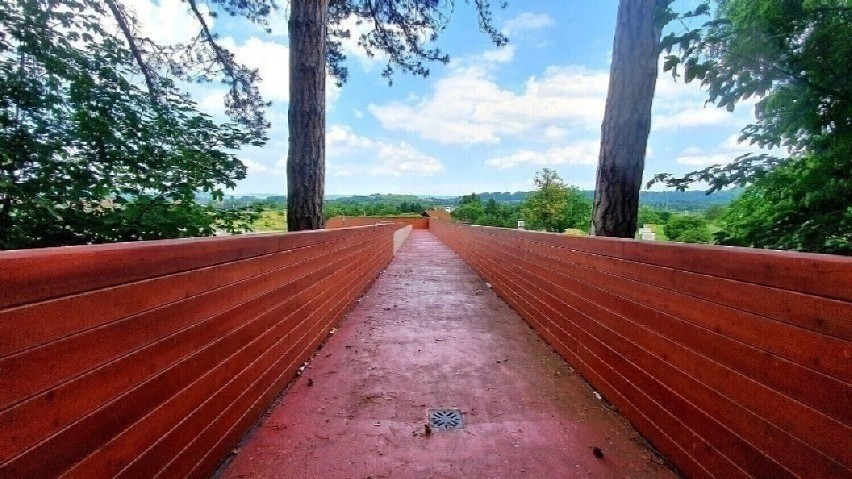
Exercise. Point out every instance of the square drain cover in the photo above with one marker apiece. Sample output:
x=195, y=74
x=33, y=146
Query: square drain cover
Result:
x=445, y=418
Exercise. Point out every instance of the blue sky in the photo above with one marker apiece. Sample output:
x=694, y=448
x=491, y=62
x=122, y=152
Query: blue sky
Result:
x=485, y=122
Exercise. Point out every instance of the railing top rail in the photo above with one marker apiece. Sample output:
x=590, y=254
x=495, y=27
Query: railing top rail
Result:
x=72, y=269
x=819, y=274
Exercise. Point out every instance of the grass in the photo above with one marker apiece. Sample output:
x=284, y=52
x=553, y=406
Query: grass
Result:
x=271, y=220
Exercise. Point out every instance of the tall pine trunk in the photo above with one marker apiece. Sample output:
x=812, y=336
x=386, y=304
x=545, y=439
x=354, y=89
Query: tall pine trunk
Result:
x=306, y=115
x=627, y=118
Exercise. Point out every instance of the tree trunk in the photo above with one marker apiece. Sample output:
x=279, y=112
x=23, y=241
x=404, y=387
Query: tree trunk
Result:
x=627, y=118
x=306, y=115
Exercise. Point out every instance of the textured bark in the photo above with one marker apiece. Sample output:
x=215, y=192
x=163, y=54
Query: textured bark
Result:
x=306, y=115
x=627, y=118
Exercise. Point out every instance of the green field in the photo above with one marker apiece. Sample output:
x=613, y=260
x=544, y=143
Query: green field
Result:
x=270, y=220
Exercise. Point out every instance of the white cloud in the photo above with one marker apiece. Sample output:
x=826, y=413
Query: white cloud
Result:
x=166, y=21
x=552, y=132
x=209, y=101
x=725, y=153
x=332, y=92
x=280, y=168
x=679, y=105
x=254, y=166
x=270, y=58
x=578, y=153
x=502, y=54
x=350, y=154
x=527, y=21
x=469, y=107
x=278, y=22
x=350, y=45
x=691, y=118
x=341, y=140
x=170, y=22
x=401, y=159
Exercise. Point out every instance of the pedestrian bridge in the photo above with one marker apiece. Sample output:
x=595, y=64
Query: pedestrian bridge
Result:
x=322, y=354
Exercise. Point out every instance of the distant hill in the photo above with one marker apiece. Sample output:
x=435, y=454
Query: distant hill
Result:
x=391, y=199
x=503, y=197
x=667, y=200
x=686, y=200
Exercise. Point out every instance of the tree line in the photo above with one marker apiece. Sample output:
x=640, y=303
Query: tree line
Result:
x=558, y=207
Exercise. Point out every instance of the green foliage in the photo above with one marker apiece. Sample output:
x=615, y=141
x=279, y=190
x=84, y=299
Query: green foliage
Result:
x=271, y=220
x=469, y=210
x=554, y=206
x=793, y=56
x=693, y=201
x=375, y=205
x=473, y=210
x=713, y=212
x=688, y=228
x=698, y=235
x=86, y=155
x=505, y=197
x=649, y=216
x=804, y=205
x=790, y=54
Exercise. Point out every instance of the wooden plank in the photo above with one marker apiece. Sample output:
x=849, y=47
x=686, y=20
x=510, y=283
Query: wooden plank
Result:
x=687, y=460
x=807, y=311
x=416, y=222
x=207, y=465
x=150, y=433
x=689, y=416
x=54, y=319
x=59, y=407
x=792, y=416
x=816, y=351
x=487, y=259
x=817, y=274
x=69, y=357
x=663, y=359
x=200, y=420
x=232, y=416
x=92, y=430
x=817, y=390
x=34, y=275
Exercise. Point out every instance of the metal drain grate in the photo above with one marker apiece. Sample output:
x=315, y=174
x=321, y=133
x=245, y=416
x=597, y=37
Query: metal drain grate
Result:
x=445, y=419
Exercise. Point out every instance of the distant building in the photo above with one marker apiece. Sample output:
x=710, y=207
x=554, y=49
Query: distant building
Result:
x=437, y=214
x=647, y=233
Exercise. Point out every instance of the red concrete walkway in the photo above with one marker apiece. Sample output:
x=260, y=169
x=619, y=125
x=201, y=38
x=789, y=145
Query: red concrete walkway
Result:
x=430, y=334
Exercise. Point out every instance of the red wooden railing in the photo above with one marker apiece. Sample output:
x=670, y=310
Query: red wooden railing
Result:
x=152, y=359
x=733, y=362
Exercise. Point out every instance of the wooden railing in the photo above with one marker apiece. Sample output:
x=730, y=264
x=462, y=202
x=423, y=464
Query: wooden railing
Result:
x=152, y=359
x=733, y=362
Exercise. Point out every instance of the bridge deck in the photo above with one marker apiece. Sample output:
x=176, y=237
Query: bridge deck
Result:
x=430, y=334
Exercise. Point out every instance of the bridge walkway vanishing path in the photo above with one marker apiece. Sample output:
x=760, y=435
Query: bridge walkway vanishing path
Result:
x=430, y=334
